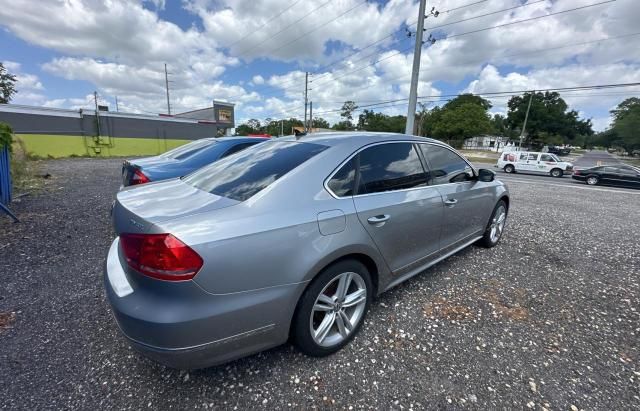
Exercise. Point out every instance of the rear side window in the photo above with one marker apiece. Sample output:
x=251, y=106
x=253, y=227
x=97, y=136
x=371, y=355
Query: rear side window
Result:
x=342, y=183
x=187, y=150
x=546, y=157
x=392, y=166
x=242, y=176
x=445, y=166
x=236, y=148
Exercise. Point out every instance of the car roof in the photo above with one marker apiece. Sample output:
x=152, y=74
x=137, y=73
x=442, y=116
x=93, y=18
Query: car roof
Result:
x=237, y=139
x=355, y=138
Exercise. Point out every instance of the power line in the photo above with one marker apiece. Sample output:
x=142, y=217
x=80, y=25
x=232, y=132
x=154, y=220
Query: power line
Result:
x=318, y=27
x=342, y=58
x=499, y=93
x=528, y=19
x=264, y=24
x=471, y=32
x=284, y=29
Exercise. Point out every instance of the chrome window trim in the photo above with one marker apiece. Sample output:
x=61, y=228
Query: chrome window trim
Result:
x=413, y=142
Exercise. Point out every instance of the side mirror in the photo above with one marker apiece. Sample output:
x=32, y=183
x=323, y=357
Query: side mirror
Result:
x=486, y=175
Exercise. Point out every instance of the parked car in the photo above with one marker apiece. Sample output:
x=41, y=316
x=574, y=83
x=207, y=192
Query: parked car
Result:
x=289, y=239
x=533, y=162
x=560, y=151
x=183, y=160
x=616, y=174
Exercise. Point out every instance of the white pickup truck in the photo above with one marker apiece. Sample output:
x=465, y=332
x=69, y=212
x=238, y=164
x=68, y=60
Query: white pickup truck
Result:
x=532, y=162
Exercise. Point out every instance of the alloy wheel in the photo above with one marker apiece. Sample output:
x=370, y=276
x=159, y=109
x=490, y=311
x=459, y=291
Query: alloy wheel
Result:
x=592, y=180
x=497, y=224
x=338, y=309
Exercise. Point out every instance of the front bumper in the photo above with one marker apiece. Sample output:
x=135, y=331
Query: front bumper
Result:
x=182, y=326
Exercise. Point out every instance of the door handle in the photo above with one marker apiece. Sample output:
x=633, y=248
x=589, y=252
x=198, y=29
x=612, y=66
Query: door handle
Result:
x=378, y=219
x=451, y=202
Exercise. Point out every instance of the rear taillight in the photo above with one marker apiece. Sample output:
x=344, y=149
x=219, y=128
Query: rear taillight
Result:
x=576, y=172
x=138, y=177
x=160, y=256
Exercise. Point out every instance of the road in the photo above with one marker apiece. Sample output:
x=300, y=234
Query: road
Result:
x=547, y=319
x=591, y=159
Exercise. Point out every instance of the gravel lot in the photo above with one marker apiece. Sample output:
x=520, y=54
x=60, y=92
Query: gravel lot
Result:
x=548, y=319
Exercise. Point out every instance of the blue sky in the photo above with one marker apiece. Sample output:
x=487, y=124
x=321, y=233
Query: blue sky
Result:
x=255, y=54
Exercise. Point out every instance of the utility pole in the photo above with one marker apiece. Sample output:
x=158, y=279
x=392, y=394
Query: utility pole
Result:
x=413, y=92
x=281, y=128
x=117, y=104
x=166, y=82
x=95, y=99
x=306, y=90
x=526, y=116
x=310, y=117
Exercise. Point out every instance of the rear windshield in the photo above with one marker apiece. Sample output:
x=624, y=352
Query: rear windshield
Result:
x=246, y=173
x=187, y=150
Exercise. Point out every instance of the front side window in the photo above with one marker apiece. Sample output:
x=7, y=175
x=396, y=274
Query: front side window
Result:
x=342, y=183
x=445, y=166
x=242, y=176
x=391, y=166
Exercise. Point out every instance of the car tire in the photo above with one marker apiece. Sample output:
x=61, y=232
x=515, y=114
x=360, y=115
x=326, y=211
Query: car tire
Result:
x=495, y=226
x=509, y=169
x=556, y=172
x=306, y=330
x=592, y=180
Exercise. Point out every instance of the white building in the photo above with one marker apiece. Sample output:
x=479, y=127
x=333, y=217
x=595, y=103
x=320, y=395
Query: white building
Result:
x=489, y=143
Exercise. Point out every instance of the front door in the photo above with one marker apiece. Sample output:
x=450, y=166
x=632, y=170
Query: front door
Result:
x=467, y=201
x=401, y=213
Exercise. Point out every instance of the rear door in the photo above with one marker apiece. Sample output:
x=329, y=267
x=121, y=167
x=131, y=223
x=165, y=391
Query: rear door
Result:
x=401, y=213
x=468, y=202
x=522, y=164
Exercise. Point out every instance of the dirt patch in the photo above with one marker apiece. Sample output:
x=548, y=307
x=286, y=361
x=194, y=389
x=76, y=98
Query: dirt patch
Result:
x=512, y=311
x=7, y=320
x=442, y=308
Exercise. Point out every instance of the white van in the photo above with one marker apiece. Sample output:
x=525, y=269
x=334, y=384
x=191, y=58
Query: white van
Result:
x=531, y=162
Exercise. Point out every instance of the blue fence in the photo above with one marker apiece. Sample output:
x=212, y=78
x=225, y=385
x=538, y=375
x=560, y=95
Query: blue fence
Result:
x=5, y=176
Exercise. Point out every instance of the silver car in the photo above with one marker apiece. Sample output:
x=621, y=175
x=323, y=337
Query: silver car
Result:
x=290, y=239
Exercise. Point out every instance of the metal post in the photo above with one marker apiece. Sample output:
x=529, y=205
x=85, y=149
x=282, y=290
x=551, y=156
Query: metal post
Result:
x=166, y=82
x=117, y=110
x=306, y=83
x=310, y=117
x=95, y=99
x=281, y=128
x=413, y=92
x=526, y=116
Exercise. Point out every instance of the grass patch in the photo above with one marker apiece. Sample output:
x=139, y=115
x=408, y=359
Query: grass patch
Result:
x=631, y=161
x=24, y=169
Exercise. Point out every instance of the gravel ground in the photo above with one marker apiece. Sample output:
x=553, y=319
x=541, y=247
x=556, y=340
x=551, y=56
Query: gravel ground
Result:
x=548, y=319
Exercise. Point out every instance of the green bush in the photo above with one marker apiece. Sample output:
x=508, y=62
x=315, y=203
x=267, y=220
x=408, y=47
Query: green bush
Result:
x=6, y=136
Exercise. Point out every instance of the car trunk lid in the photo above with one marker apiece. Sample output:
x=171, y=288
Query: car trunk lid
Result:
x=140, y=208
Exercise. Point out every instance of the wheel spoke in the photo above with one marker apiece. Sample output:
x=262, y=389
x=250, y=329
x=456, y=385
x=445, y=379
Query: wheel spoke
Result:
x=325, y=300
x=324, y=327
x=343, y=285
x=355, y=298
x=342, y=327
x=346, y=320
x=322, y=307
x=501, y=218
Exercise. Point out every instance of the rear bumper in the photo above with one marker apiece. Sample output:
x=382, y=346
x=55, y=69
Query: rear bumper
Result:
x=182, y=326
x=578, y=177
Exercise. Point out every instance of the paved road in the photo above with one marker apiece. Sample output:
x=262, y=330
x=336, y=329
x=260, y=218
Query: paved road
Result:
x=548, y=318
x=591, y=159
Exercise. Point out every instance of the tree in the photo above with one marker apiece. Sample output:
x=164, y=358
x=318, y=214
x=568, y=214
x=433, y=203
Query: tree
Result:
x=549, y=119
x=625, y=130
x=7, y=85
x=347, y=110
x=463, y=117
x=250, y=127
x=319, y=122
x=344, y=125
x=371, y=121
x=286, y=125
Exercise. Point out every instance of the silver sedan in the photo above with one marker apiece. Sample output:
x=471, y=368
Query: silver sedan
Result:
x=289, y=240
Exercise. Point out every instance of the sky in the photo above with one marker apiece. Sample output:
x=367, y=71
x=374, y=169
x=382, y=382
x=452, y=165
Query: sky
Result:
x=255, y=53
